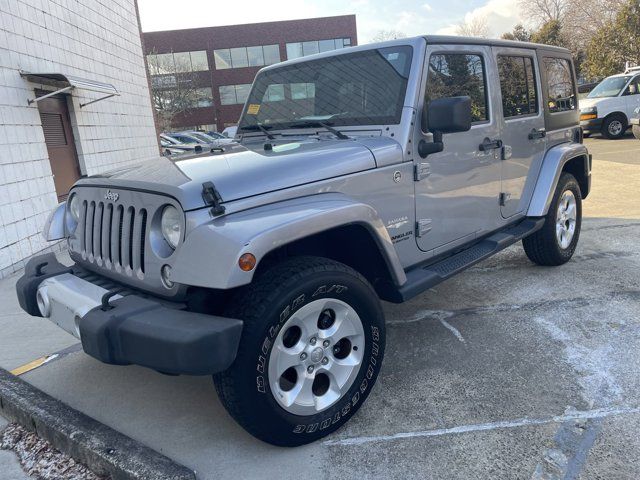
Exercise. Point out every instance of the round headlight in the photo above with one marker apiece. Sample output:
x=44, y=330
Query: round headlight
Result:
x=171, y=225
x=74, y=208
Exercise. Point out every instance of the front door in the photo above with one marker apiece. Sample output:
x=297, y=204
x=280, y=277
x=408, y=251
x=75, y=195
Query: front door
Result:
x=457, y=195
x=58, y=137
x=523, y=133
x=632, y=97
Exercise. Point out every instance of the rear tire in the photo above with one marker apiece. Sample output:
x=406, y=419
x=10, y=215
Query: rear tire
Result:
x=614, y=126
x=636, y=131
x=311, y=349
x=556, y=241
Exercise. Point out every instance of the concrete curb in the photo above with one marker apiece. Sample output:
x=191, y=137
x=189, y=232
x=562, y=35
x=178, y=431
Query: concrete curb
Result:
x=104, y=450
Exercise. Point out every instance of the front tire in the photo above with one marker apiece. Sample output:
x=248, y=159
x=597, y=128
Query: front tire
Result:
x=614, y=126
x=311, y=349
x=555, y=243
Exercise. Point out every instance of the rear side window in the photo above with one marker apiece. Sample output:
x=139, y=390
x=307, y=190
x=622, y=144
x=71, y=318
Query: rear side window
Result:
x=517, y=85
x=454, y=75
x=561, y=95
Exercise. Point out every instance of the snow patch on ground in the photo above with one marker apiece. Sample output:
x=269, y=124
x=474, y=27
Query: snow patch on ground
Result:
x=39, y=459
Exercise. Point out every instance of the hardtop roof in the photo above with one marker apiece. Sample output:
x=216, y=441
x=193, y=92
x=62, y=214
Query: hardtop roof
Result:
x=456, y=40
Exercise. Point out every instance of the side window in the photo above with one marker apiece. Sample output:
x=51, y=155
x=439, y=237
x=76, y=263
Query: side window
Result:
x=517, y=85
x=561, y=91
x=454, y=75
x=634, y=86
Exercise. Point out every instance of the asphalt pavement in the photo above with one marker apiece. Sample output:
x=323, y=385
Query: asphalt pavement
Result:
x=509, y=370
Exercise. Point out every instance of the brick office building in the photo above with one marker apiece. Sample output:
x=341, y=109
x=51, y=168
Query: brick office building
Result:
x=220, y=63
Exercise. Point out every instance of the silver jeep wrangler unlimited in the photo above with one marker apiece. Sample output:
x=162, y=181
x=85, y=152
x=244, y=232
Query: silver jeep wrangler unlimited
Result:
x=369, y=173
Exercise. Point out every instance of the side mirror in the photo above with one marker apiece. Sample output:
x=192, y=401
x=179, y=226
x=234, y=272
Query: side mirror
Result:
x=445, y=115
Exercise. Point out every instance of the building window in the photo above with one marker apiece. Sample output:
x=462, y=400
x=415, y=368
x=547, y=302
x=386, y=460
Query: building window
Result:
x=239, y=57
x=234, y=94
x=517, y=85
x=300, y=91
x=454, y=75
x=274, y=93
x=561, y=94
x=177, y=62
x=255, y=56
x=222, y=58
x=203, y=97
x=302, y=49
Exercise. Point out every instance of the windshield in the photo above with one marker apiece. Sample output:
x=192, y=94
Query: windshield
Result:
x=360, y=88
x=609, y=87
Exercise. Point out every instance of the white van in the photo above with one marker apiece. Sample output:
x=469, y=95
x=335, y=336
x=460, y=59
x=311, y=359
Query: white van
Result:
x=608, y=107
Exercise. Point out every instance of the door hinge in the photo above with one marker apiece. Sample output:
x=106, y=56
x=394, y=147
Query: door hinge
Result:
x=421, y=171
x=506, y=152
x=423, y=227
x=504, y=198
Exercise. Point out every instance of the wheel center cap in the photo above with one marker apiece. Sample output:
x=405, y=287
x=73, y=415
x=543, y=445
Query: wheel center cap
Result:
x=317, y=355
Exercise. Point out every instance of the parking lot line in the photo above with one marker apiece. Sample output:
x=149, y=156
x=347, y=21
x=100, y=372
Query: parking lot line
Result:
x=479, y=427
x=38, y=362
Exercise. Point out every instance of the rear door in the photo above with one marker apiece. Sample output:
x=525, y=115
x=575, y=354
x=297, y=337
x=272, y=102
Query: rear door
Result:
x=522, y=127
x=457, y=189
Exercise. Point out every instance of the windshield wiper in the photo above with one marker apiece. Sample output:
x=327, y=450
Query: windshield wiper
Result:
x=318, y=123
x=262, y=128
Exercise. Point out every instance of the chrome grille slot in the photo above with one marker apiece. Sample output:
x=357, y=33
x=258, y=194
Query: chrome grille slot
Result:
x=113, y=236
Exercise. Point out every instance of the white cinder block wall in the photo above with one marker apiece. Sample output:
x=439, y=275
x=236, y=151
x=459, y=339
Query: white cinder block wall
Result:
x=93, y=39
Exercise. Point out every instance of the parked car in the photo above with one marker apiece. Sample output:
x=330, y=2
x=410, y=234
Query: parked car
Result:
x=608, y=107
x=212, y=138
x=635, y=123
x=205, y=142
x=230, y=132
x=222, y=140
x=171, y=146
x=264, y=266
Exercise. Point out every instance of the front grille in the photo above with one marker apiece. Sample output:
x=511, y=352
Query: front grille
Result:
x=113, y=236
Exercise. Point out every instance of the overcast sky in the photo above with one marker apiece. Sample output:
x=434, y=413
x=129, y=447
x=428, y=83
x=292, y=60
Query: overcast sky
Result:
x=412, y=17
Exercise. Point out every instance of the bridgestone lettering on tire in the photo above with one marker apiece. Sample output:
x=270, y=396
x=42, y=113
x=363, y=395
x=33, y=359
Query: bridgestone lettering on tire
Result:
x=556, y=241
x=298, y=405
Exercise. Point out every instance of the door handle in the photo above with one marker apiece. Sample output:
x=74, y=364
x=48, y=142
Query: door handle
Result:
x=537, y=133
x=488, y=144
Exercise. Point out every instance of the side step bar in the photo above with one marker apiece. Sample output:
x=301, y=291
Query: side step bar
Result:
x=420, y=279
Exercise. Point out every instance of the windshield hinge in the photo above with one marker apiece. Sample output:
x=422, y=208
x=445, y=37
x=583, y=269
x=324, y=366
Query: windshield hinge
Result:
x=212, y=197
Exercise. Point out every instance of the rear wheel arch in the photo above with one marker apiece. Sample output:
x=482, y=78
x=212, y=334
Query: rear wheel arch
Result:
x=579, y=167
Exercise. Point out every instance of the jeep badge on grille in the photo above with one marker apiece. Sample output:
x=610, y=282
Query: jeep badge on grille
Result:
x=112, y=196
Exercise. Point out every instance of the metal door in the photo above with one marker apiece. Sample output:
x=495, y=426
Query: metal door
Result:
x=58, y=137
x=457, y=189
x=632, y=97
x=522, y=126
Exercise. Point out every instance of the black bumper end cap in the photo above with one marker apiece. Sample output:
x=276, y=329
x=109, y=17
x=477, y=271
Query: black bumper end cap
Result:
x=37, y=269
x=144, y=332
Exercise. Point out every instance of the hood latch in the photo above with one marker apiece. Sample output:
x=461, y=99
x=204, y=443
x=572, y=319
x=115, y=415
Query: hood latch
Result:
x=212, y=197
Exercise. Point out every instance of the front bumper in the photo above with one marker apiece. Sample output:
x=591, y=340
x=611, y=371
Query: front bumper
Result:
x=591, y=126
x=119, y=327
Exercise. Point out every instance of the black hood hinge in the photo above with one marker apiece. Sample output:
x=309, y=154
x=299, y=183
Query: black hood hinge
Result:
x=212, y=197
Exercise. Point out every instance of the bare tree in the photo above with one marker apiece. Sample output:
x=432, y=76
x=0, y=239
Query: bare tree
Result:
x=540, y=12
x=172, y=86
x=477, y=26
x=384, y=35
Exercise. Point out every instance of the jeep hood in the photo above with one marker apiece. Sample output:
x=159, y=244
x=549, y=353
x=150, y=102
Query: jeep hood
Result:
x=245, y=171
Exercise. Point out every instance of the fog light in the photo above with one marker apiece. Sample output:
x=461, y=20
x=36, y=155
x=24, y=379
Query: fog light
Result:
x=43, y=302
x=165, y=275
x=247, y=262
